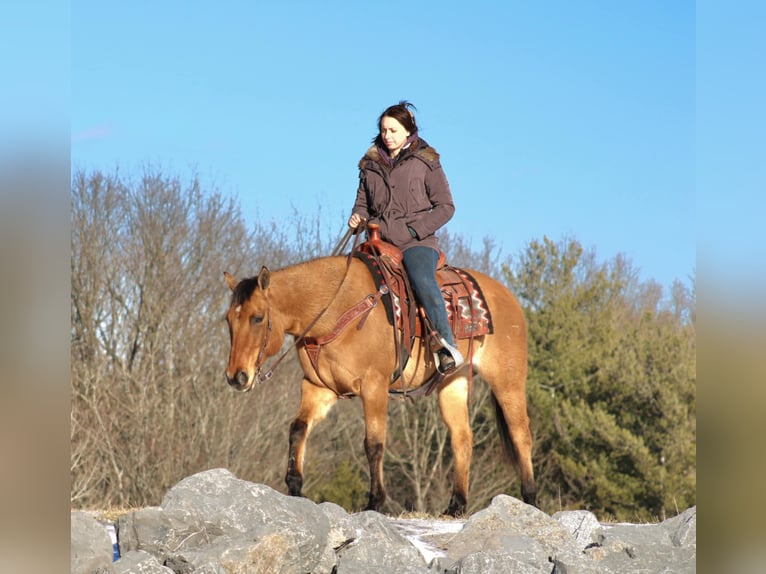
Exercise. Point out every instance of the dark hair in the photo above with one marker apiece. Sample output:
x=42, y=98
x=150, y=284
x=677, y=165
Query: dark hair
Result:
x=402, y=114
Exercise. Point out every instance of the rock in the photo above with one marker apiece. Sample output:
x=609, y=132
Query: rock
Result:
x=90, y=547
x=162, y=532
x=581, y=524
x=215, y=523
x=645, y=547
x=654, y=558
x=139, y=562
x=431, y=537
x=496, y=563
x=343, y=529
x=265, y=526
x=375, y=545
x=272, y=552
x=683, y=528
x=502, y=522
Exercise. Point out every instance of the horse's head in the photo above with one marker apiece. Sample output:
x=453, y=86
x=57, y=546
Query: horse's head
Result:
x=250, y=324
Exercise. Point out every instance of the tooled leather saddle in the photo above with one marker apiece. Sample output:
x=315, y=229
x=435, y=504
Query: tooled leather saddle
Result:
x=467, y=309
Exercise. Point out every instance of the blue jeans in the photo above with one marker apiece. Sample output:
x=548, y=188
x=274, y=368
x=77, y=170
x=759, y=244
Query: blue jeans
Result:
x=420, y=264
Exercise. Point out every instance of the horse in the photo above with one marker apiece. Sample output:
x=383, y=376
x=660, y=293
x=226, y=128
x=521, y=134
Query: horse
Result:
x=306, y=300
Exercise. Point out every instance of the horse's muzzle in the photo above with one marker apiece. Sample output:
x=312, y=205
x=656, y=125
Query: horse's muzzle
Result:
x=240, y=381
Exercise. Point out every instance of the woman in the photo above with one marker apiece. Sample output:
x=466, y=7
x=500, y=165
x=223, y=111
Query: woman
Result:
x=402, y=188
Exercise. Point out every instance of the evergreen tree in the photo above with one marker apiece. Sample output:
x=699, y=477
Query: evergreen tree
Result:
x=611, y=384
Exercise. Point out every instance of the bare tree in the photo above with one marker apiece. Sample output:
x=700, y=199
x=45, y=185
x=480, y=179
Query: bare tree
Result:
x=149, y=402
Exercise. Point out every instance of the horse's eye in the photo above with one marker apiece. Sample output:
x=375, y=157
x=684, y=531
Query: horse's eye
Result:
x=255, y=319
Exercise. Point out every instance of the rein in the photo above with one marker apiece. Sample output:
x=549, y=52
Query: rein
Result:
x=263, y=377
x=262, y=352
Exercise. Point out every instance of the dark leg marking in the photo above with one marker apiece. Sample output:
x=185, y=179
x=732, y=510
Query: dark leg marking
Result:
x=293, y=478
x=377, y=493
x=457, y=505
x=529, y=492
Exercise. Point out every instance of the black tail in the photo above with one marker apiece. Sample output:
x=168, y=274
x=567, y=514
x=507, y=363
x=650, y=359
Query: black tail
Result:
x=505, y=433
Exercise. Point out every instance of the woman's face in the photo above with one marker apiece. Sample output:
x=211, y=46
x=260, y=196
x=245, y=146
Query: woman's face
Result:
x=393, y=134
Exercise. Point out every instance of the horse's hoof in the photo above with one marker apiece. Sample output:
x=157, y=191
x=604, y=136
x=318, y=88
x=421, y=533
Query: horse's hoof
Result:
x=373, y=507
x=529, y=495
x=375, y=502
x=456, y=512
x=294, y=485
x=457, y=506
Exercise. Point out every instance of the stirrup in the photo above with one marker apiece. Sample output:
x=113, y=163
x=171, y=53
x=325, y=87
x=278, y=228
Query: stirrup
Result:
x=448, y=362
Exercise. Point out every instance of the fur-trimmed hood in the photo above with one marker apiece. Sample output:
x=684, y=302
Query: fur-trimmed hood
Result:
x=419, y=149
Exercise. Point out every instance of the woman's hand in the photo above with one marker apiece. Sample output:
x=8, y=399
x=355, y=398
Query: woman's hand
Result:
x=354, y=220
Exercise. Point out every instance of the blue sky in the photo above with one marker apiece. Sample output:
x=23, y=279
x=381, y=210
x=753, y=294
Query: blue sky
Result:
x=558, y=119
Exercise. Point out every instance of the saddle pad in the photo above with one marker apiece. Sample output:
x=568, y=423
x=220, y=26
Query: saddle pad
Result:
x=467, y=308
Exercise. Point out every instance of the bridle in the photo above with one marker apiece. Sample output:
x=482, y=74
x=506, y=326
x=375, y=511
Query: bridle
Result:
x=260, y=377
x=262, y=353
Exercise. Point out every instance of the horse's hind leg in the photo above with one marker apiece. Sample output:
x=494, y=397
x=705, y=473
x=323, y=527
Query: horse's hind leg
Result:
x=508, y=383
x=315, y=403
x=453, y=403
x=513, y=425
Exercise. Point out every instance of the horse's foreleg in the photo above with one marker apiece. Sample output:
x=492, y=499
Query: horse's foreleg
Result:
x=315, y=403
x=453, y=403
x=375, y=405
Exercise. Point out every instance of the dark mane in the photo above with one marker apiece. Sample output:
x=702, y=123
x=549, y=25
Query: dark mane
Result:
x=244, y=290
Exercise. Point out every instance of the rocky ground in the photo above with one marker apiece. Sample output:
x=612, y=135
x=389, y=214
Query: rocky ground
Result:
x=213, y=522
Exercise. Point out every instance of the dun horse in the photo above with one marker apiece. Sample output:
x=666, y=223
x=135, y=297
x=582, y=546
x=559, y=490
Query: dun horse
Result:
x=308, y=298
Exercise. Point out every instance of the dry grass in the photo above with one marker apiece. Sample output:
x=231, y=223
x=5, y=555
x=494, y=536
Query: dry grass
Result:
x=107, y=514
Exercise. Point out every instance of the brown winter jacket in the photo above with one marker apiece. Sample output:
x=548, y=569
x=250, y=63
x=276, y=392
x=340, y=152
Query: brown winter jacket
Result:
x=414, y=193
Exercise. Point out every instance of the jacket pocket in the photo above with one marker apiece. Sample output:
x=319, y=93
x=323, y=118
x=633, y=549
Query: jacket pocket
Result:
x=396, y=232
x=418, y=198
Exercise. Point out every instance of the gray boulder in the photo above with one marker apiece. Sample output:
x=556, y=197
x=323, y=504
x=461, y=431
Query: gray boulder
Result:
x=496, y=563
x=215, y=523
x=232, y=521
x=509, y=526
x=343, y=528
x=90, y=547
x=683, y=528
x=374, y=545
x=581, y=524
x=666, y=547
x=139, y=562
x=162, y=532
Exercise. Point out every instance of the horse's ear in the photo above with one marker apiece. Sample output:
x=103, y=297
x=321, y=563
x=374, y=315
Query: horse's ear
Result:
x=230, y=281
x=263, y=278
